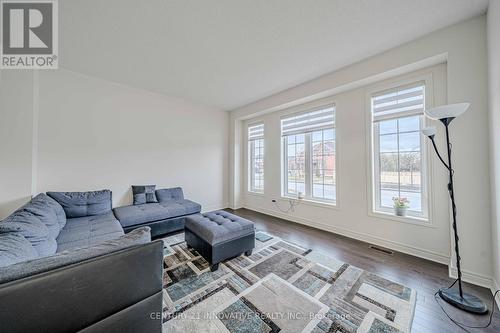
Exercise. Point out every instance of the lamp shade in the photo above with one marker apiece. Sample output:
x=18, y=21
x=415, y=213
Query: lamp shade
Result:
x=429, y=131
x=447, y=111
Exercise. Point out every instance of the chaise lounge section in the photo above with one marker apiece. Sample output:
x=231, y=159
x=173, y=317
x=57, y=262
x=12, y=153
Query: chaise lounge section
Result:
x=166, y=216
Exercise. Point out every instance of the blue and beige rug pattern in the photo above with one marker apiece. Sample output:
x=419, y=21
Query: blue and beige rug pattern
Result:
x=281, y=287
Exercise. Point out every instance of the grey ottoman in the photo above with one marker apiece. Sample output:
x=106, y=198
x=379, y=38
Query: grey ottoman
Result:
x=219, y=235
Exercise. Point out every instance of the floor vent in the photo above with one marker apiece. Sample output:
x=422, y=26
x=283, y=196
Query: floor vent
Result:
x=376, y=248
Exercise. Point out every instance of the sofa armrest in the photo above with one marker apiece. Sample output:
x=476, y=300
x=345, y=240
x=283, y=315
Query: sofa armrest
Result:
x=74, y=297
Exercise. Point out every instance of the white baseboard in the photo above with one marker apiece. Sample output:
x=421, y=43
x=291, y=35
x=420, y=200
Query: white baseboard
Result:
x=414, y=251
x=214, y=207
x=471, y=277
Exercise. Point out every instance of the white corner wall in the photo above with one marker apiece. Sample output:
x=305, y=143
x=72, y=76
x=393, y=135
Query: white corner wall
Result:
x=16, y=139
x=494, y=89
x=96, y=134
x=463, y=46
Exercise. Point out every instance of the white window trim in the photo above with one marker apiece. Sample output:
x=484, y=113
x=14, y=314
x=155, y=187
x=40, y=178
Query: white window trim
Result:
x=427, y=221
x=328, y=101
x=249, y=162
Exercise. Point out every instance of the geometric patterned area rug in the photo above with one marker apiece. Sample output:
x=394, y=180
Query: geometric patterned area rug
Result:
x=281, y=287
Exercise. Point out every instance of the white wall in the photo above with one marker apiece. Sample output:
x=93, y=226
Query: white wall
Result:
x=16, y=128
x=494, y=75
x=96, y=134
x=463, y=46
x=64, y=131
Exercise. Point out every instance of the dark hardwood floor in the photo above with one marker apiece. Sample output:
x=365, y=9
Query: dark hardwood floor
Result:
x=423, y=275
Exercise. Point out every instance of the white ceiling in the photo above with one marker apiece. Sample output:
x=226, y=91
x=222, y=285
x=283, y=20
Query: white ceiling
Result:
x=228, y=53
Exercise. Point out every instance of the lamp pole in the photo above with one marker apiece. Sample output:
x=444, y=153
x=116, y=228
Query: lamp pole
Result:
x=446, y=123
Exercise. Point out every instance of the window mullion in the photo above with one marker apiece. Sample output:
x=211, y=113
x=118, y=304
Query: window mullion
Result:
x=323, y=162
x=285, y=164
x=399, y=159
x=253, y=164
x=377, y=182
x=423, y=171
x=252, y=173
x=308, y=165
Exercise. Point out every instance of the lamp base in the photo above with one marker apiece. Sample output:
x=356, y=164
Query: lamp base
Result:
x=467, y=302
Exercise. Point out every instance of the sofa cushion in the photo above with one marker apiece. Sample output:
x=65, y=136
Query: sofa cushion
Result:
x=168, y=194
x=219, y=226
x=143, y=194
x=79, y=204
x=181, y=207
x=45, y=213
x=26, y=224
x=88, y=230
x=61, y=215
x=15, y=248
x=139, y=214
x=75, y=255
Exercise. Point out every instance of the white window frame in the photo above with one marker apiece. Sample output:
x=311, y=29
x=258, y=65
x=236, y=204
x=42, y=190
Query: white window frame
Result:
x=427, y=170
x=307, y=196
x=250, y=161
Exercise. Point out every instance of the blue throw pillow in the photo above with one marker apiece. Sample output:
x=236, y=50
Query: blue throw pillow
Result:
x=15, y=248
x=144, y=194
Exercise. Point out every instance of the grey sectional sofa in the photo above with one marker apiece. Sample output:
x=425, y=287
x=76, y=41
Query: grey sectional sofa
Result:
x=165, y=216
x=66, y=266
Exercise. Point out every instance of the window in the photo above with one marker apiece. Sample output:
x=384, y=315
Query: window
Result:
x=256, y=158
x=398, y=149
x=323, y=164
x=309, y=154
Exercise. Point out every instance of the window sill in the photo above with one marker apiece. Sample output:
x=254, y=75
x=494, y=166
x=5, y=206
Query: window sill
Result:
x=315, y=203
x=420, y=221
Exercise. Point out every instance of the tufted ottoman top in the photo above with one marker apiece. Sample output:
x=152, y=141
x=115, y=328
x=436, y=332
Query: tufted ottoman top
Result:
x=219, y=226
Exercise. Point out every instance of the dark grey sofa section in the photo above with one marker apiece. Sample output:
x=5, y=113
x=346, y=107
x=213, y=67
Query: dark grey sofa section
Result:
x=89, y=294
x=168, y=215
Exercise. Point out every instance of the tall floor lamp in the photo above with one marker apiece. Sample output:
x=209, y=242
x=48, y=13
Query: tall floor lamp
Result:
x=445, y=114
